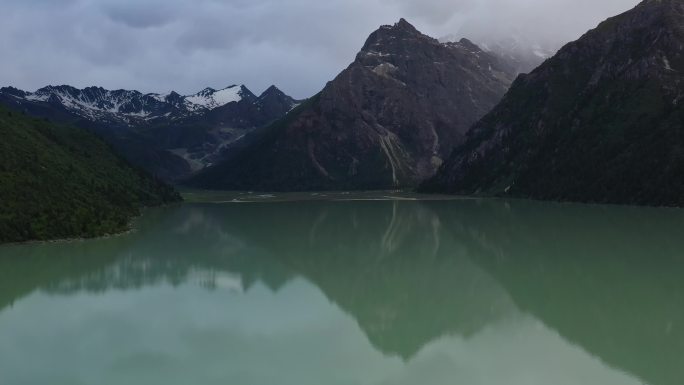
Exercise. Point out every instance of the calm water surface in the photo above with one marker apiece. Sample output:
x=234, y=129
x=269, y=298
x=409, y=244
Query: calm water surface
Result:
x=354, y=292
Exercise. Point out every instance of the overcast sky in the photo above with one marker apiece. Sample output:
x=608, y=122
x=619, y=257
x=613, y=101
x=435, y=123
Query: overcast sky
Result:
x=298, y=45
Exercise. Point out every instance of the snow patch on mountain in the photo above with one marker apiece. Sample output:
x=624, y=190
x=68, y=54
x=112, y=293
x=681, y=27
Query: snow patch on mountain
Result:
x=130, y=108
x=210, y=98
x=160, y=97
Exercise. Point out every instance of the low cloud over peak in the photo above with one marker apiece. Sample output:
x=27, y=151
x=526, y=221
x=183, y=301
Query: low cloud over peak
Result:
x=160, y=45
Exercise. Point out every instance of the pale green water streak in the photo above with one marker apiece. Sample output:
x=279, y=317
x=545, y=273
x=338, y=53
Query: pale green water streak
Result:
x=355, y=292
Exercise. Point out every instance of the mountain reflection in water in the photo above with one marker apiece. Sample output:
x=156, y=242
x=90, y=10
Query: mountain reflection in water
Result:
x=481, y=291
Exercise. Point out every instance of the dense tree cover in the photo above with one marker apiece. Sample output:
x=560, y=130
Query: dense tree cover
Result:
x=61, y=182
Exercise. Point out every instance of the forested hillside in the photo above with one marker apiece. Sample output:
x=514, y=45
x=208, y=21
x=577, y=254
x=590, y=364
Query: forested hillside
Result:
x=62, y=182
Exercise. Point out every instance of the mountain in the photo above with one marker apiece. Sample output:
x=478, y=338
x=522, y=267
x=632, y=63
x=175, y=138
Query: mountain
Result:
x=170, y=135
x=386, y=121
x=601, y=121
x=64, y=182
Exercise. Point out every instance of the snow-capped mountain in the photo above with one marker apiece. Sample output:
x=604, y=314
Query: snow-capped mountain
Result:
x=170, y=135
x=131, y=107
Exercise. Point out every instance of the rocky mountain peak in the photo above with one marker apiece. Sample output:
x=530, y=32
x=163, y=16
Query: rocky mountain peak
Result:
x=13, y=91
x=404, y=25
x=393, y=39
x=469, y=45
x=387, y=121
x=55, y=89
x=273, y=92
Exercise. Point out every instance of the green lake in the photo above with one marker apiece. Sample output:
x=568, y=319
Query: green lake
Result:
x=356, y=290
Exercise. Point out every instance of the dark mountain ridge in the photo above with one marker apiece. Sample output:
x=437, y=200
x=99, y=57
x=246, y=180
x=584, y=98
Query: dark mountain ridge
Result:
x=602, y=121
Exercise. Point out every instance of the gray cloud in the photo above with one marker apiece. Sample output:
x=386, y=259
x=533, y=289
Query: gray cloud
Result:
x=185, y=45
x=139, y=14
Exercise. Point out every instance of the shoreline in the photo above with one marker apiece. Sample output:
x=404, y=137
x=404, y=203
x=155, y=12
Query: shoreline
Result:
x=216, y=197
x=129, y=230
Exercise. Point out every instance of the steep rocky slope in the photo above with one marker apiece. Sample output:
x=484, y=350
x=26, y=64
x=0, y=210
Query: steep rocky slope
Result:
x=601, y=121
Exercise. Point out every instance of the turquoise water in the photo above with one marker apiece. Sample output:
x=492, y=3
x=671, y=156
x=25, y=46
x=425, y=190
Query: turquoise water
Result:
x=353, y=292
